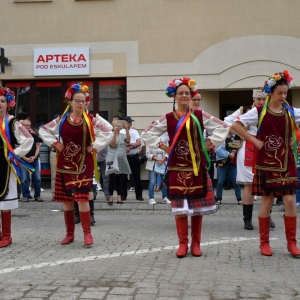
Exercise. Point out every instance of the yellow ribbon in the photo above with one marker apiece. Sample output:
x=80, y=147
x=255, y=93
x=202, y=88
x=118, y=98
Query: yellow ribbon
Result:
x=92, y=135
x=6, y=156
x=193, y=154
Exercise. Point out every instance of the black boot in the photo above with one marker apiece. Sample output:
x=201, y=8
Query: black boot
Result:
x=76, y=211
x=247, y=212
x=92, y=212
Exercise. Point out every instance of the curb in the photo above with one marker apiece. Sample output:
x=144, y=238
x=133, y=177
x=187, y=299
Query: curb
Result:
x=102, y=205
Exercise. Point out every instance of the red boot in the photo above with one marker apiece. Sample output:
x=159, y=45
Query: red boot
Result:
x=290, y=232
x=196, y=235
x=70, y=227
x=182, y=232
x=86, y=227
x=264, y=231
x=6, y=229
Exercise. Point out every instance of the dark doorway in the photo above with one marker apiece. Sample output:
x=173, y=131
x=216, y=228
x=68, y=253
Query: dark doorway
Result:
x=230, y=101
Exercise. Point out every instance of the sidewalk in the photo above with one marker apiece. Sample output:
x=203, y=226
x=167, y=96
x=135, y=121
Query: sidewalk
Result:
x=228, y=203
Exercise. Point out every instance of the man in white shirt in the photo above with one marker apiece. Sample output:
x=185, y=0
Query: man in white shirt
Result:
x=133, y=160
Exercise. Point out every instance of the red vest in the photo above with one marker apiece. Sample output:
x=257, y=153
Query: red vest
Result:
x=182, y=181
x=74, y=162
x=276, y=157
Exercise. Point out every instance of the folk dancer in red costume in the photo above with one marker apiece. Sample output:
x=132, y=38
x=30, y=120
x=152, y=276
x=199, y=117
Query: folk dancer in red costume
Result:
x=190, y=187
x=76, y=136
x=244, y=159
x=12, y=134
x=274, y=160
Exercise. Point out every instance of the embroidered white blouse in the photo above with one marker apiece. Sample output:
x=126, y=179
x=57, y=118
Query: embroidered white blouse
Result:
x=102, y=129
x=219, y=130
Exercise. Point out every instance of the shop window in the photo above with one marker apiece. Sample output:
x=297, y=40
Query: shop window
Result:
x=90, y=85
x=112, y=98
x=22, y=93
x=48, y=101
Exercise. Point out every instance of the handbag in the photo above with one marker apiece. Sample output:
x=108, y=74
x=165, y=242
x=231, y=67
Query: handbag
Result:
x=142, y=158
x=159, y=169
x=112, y=165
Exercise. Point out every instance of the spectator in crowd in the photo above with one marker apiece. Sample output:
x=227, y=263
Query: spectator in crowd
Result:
x=226, y=168
x=118, y=146
x=132, y=149
x=101, y=156
x=80, y=135
x=32, y=159
x=156, y=156
x=13, y=134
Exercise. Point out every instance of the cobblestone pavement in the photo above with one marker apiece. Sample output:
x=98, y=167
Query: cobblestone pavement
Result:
x=133, y=257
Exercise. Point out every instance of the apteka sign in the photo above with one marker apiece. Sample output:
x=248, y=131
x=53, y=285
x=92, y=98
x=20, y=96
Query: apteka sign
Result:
x=61, y=61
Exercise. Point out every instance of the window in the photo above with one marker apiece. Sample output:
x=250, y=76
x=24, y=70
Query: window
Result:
x=112, y=98
x=48, y=101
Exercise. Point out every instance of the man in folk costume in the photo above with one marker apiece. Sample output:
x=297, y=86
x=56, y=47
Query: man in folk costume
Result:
x=274, y=160
x=190, y=187
x=244, y=159
x=12, y=134
x=77, y=137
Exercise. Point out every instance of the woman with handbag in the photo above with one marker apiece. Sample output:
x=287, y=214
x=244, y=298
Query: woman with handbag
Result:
x=156, y=166
x=189, y=185
x=76, y=136
x=117, y=156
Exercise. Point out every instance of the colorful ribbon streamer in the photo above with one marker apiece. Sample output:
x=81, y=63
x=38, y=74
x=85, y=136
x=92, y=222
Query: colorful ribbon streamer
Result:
x=190, y=142
x=12, y=159
x=203, y=146
x=185, y=120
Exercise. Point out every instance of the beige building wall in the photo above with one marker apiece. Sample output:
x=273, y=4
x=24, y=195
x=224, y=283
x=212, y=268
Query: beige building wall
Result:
x=223, y=45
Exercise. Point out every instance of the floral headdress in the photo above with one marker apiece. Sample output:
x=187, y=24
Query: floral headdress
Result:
x=77, y=88
x=9, y=96
x=276, y=77
x=175, y=83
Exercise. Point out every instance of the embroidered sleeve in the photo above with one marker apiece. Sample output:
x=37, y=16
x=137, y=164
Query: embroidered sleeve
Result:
x=24, y=139
x=219, y=129
x=152, y=134
x=103, y=133
x=230, y=119
x=49, y=132
x=249, y=118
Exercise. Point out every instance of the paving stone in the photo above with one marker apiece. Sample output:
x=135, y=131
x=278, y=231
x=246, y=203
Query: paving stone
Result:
x=93, y=295
x=122, y=291
x=128, y=259
x=65, y=296
x=35, y=294
x=11, y=295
